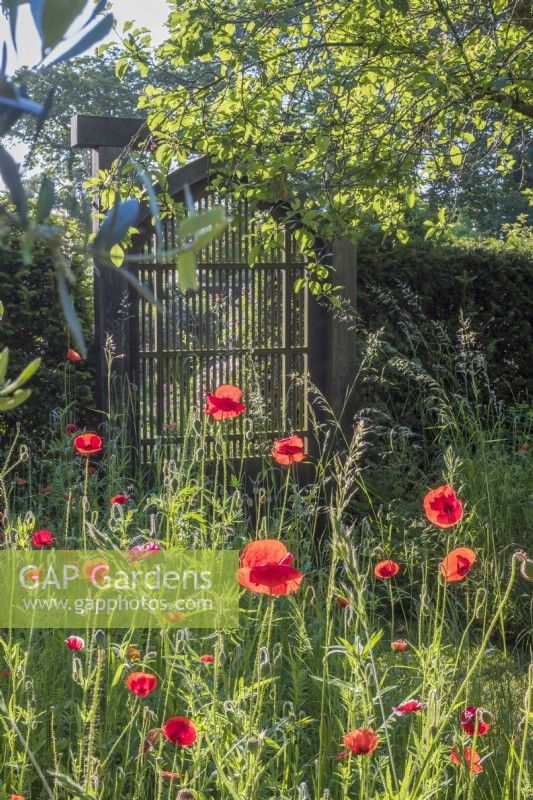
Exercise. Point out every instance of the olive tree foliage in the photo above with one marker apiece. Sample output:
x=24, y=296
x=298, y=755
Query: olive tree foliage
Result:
x=342, y=112
x=67, y=29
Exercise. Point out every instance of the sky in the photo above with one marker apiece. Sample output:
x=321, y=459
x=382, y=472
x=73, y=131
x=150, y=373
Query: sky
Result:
x=150, y=14
x=146, y=13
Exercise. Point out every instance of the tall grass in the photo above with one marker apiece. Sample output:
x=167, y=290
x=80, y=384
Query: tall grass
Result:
x=300, y=671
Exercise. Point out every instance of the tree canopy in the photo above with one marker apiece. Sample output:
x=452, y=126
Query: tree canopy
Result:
x=344, y=112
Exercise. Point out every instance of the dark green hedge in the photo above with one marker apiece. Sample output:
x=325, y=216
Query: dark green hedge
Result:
x=490, y=282
x=32, y=326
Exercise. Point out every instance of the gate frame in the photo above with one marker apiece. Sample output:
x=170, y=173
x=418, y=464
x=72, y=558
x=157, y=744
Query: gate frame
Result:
x=331, y=351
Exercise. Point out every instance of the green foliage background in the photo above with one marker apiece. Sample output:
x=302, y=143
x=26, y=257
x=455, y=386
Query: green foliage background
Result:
x=33, y=326
x=489, y=281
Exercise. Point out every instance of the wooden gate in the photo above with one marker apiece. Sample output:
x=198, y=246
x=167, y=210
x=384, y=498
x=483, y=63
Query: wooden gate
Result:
x=245, y=325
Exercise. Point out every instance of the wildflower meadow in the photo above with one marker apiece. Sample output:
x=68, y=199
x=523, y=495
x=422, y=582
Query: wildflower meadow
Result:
x=265, y=400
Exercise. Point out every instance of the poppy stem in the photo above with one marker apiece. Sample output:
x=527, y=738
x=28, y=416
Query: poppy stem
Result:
x=284, y=504
x=466, y=680
x=84, y=503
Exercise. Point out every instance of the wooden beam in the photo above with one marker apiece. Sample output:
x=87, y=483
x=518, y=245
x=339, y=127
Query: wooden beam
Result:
x=342, y=354
x=92, y=132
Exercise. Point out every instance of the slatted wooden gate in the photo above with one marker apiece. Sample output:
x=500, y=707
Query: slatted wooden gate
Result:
x=245, y=325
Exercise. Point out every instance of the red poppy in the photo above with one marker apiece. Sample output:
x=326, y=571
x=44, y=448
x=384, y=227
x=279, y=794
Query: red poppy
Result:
x=524, y=448
x=73, y=356
x=133, y=653
x=21, y=481
x=472, y=716
x=43, y=538
x=141, y=683
x=119, y=499
x=224, y=402
x=343, y=602
x=361, y=742
x=180, y=731
x=16, y=797
x=87, y=444
x=170, y=426
x=288, y=451
x=71, y=427
x=443, y=507
x=139, y=551
x=174, y=617
x=92, y=469
x=457, y=564
x=69, y=497
x=399, y=645
x=5, y=673
x=75, y=643
x=386, y=569
x=46, y=489
x=266, y=568
x=408, y=707
x=207, y=659
x=96, y=570
x=170, y=775
x=470, y=757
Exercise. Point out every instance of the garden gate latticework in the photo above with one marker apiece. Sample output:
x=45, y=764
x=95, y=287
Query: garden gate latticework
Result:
x=244, y=325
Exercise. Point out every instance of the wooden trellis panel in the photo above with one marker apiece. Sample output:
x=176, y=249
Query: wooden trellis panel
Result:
x=244, y=326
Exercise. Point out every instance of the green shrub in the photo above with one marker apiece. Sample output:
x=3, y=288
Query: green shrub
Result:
x=490, y=282
x=33, y=326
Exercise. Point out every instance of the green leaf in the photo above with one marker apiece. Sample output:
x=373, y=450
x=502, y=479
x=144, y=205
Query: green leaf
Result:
x=70, y=315
x=402, y=236
x=456, y=156
x=9, y=171
x=45, y=201
x=19, y=397
x=116, y=254
x=27, y=373
x=401, y=5
x=188, y=278
x=4, y=358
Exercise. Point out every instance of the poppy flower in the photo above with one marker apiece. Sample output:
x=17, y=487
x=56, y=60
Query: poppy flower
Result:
x=33, y=574
x=73, y=356
x=442, y=506
x=96, y=570
x=133, y=654
x=225, y=402
x=180, y=731
x=457, y=564
x=71, y=427
x=175, y=617
x=170, y=426
x=46, y=489
x=399, y=645
x=119, y=499
x=87, y=444
x=5, y=673
x=386, y=569
x=207, y=659
x=21, y=481
x=139, y=551
x=408, y=707
x=141, y=683
x=470, y=758
x=75, y=643
x=69, y=498
x=170, y=775
x=361, y=742
x=288, y=451
x=343, y=602
x=16, y=797
x=266, y=568
x=43, y=538
x=469, y=717
x=91, y=469
x=524, y=448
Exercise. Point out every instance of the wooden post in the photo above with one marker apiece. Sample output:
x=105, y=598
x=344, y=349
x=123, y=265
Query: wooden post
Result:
x=107, y=137
x=341, y=356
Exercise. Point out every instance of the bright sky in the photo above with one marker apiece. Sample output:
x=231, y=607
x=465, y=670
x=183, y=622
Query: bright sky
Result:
x=146, y=13
x=150, y=14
